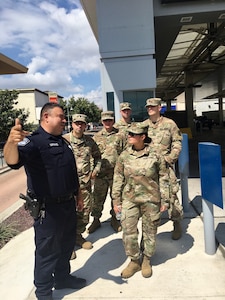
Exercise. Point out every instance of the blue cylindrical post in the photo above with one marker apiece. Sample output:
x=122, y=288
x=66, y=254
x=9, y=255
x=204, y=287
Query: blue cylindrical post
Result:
x=209, y=232
x=183, y=163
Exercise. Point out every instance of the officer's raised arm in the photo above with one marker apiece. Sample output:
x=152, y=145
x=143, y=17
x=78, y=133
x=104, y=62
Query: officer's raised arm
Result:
x=16, y=135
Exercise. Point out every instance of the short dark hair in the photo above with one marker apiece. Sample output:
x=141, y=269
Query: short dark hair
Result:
x=49, y=106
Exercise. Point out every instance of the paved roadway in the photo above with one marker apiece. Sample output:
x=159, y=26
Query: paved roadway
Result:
x=11, y=184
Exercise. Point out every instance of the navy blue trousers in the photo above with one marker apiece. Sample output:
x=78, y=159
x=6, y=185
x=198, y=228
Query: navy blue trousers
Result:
x=54, y=240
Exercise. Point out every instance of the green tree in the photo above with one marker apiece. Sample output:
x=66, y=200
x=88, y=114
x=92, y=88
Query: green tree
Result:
x=9, y=112
x=82, y=106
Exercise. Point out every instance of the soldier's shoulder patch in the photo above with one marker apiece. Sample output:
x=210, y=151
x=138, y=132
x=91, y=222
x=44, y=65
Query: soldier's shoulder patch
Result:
x=24, y=142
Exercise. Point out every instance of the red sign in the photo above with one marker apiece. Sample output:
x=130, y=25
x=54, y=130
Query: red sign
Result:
x=53, y=97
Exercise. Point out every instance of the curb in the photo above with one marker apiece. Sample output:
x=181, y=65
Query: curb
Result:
x=4, y=170
x=10, y=210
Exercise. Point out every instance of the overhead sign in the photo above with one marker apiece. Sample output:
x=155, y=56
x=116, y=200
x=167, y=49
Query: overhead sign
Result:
x=53, y=97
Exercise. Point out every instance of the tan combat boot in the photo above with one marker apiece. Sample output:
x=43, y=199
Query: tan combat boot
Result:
x=73, y=255
x=177, y=230
x=146, y=269
x=116, y=224
x=131, y=269
x=80, y=241
x=94, y=226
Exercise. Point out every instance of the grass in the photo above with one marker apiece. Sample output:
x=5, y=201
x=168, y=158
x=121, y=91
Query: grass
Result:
x=7, y=232
x=16, y=223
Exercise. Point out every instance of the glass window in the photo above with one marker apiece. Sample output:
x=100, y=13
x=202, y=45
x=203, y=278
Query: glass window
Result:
x=138, y=101
x=110, y=101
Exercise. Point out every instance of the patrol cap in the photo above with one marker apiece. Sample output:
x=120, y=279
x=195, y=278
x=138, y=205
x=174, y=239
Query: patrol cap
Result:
x=125, y=105
x=137, y=128
x=80, y=118
x=153, y=102
x=107, y=115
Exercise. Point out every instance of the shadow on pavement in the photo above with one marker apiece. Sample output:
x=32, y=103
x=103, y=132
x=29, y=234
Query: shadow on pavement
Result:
x=109, y=257
x=167, y=249
x=220, y=229
x=104, y=231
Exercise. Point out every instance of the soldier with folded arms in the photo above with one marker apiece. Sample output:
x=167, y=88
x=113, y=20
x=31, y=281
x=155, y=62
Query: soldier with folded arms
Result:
x=167, y=140
x=110, y=142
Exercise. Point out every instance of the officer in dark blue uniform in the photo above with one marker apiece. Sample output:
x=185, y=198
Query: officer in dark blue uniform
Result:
x=51, y=180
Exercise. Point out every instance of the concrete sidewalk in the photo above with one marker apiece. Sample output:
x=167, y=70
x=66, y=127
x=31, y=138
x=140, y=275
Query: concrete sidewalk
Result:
x=181, y=269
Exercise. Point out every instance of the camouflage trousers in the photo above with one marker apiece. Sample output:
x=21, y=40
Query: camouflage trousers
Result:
x=131, y=213
x=175, y=211
x=83, y=217
x=101, y=187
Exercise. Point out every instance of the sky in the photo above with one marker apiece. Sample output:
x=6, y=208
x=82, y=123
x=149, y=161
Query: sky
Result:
x=54, y=40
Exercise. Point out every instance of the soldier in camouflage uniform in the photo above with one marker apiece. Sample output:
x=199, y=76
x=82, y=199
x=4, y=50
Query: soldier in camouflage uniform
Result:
x=141, y=186
x=125, y=121
x=110, y=143
x=88, y=160
x=167, y=139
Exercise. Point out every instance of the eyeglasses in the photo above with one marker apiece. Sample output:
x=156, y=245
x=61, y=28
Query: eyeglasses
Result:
x=107, y=120
x=133, y=134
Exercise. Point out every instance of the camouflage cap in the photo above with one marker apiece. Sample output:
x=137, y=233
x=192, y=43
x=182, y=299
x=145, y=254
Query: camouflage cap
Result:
x=153, y=102
x=107, y=115
x=80, y=118
x=125, y=105
x=137, y=128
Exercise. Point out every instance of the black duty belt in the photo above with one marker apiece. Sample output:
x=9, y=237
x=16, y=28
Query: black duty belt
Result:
x=59, y=199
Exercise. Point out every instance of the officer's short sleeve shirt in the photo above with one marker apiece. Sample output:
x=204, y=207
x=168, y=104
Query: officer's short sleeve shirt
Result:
x=49, y=164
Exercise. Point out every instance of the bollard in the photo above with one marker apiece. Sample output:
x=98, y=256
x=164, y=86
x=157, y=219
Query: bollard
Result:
x=183, y=164
x=210, y=168
x=209, y=232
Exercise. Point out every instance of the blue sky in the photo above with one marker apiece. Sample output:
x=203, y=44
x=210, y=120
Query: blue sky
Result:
x=54, y=40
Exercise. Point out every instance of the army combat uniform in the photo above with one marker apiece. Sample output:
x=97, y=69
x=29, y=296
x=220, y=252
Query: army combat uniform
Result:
x=121, y=125
x=141, y=185
x=167, y=140
x=88, y=161
x=110, y=142
x=110, y=145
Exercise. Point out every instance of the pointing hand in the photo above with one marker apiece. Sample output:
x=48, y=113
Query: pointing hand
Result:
x=17, y=134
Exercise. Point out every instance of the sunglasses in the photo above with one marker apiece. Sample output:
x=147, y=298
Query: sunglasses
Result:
x=134, y=134
x=79, y=123
x=107, y=120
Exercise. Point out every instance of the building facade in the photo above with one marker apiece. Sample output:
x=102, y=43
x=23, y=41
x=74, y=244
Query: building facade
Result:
x=32, y=101
x=135, y=39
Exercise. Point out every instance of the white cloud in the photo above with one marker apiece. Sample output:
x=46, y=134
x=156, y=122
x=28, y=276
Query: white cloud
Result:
x=54, y=40
x=92, y=96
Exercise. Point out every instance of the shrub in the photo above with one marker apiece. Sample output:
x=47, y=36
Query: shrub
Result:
x=7, y=231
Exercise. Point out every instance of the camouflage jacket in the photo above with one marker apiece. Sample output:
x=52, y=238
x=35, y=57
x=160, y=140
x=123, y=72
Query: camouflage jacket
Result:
x=121, y=125
x=166, y=138
x=87, y=155
x=141, y=176
x=111, y=145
